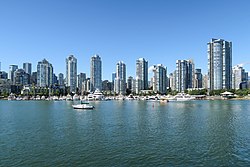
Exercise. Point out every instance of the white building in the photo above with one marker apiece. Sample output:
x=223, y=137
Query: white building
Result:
x=141, y=74
x=239, y=78
x=71, y=73
x=160, y=79
x=120, y=80
x=44, y=74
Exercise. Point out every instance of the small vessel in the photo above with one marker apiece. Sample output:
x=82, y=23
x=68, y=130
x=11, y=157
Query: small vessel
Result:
x=183, y=97
x=97, y=95
x=11, y=97
x=69, y=98
x=83, y=105
x=130, y=97
x=76, y=97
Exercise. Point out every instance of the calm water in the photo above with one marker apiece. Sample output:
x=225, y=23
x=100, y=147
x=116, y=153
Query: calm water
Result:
x=125, y=133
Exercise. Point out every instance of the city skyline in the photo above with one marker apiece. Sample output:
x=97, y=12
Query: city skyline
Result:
x=160, y=32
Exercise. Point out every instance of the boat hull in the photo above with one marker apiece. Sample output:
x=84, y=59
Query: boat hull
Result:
x=80, y=106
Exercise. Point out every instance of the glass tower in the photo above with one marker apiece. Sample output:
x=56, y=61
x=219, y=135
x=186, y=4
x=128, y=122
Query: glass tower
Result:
x=71, y=73
x=95, y=73
x=219, y=54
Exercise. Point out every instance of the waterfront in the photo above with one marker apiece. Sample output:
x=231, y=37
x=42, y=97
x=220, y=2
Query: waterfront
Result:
x=125, y=133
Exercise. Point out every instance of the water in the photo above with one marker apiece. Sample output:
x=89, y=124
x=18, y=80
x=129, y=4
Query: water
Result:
x=125, y=133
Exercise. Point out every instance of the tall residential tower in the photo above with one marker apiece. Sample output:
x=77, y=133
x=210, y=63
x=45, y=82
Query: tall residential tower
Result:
x=184, y=75
x=142, y=73
x=71, y=73
x=27, y=68
x=219, y=54
x=95, y=73
x=12, y=69
x=44, y=74
x=160, y=79
x=120, y=80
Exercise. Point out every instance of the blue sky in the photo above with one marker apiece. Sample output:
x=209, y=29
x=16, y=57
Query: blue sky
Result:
x=161, y=31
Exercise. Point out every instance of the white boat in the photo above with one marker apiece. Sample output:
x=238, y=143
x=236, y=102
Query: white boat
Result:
x=183, y=97
x=68, y=97
x=11, y=97
x=152, y=98
x=76, y=97
x=83, y=105
x=97, y=95
x=55, y=98
x=130, y=97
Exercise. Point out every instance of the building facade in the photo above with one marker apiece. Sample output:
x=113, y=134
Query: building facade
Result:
x=33, y=78
x=197, y=79
x=60, y=79
x=219, y=54
x=142, y=74
x=120, y=80
x=12, y=69
x=81, y=77
x=44, y=74
x=159, y=79
x=3, y=75
x=27, y=68
x=239, y=78
x=21, y=78
x=86, y=86
x=184, y=75
x=71, y=73
x=130, y=83
x=96, y=73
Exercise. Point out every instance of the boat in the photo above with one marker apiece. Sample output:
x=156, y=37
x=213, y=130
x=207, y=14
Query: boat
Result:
x=183, y=97
x=152, y=98
x=12, y=97
x=83, y=105
x=130, y=97
x=97, y=95
x=76, y=97
x=69, y=97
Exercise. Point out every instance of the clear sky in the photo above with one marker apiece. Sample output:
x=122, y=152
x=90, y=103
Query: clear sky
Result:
x=161, y=31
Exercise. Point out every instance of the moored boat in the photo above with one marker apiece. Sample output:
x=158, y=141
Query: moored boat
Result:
x=183, y=97
x=83, y=105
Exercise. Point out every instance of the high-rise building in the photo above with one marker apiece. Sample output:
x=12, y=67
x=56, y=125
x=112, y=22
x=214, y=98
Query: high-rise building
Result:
x=80, y=78
x=137, y=85
x=198, y=79
x=205, y=81
x=44, y=74
x=142, y=74
x=96, y=73
x=27, y=68
x=55, y=79
x=113, y=80
x=159, y=79
x=86, y=86
x=3, y=75
x=120, y=80
x=106, y=86
x=33, y=78
x=71, y=73
x=184, y=75
x=219, y=54
x=21, y=78
x=172, y=81
x=129, y=82
x=60, y=79
x=239, y=78
x=12, y=69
